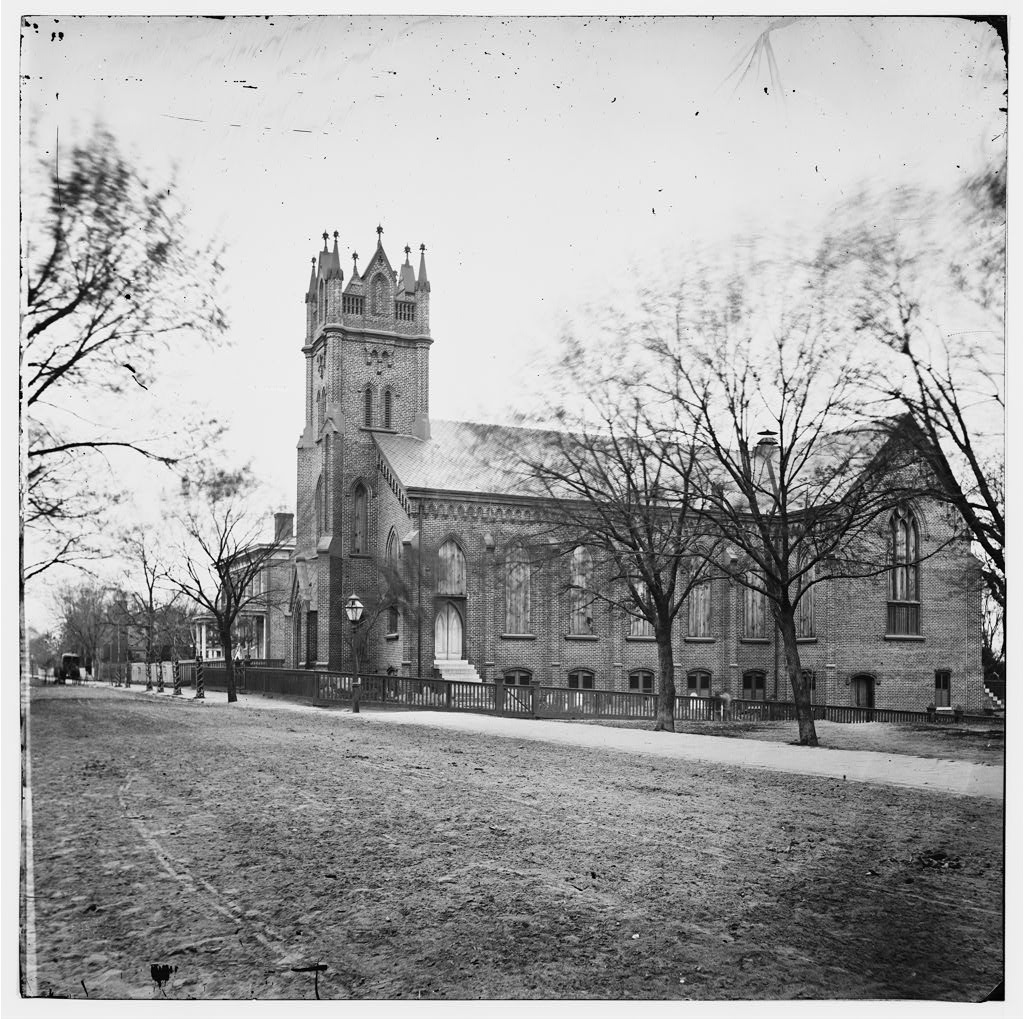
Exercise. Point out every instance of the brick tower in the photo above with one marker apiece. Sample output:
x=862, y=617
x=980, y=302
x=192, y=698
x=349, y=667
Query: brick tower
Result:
x=367, y=349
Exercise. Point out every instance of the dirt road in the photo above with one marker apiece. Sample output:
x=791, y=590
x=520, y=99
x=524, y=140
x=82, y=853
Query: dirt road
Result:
x=239, y=843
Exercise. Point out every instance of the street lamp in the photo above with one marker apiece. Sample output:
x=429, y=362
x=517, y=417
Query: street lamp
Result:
x=765, y=452
x=354, y=611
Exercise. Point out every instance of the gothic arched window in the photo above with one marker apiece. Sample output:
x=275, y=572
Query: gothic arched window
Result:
x=904, y=608
x=368, y=407
x=359, y=518
x=378, y=295
x=754, y=607
x=387, y=408
x=451, y=569
x=321, y=302
x=391, y=558
x=517, y=591
x=639, y=624
x=805, y=607
x=318, y=506
x=698, y=615
x=581, y=596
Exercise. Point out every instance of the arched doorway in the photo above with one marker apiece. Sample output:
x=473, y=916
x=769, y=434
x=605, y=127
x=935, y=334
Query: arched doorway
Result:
x=447, y=633
x=863, y=691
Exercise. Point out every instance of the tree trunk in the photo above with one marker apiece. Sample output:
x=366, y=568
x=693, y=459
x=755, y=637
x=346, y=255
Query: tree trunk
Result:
x=801, y=690
x=666, y=682
x=229, y=665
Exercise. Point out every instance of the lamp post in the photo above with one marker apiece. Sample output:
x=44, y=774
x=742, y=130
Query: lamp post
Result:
x=766, y=451
x=354, y=611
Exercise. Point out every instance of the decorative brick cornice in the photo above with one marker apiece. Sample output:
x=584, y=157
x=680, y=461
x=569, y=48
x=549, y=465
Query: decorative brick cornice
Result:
x=385, y=471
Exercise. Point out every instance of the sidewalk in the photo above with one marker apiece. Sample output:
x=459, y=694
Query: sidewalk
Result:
x=962, y=778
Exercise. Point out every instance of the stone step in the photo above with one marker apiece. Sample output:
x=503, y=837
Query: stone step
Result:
x=457, y=670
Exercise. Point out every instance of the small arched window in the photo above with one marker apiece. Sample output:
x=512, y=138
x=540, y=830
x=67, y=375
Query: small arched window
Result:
x=753, y=686
x=517, y=677
x=387, y=408
x=517, y=591
x=581, y=599
x=904, y=609
x=368, y=407
x=698, y=683
x=359, y=518
x=581, y=679
x=642, y=680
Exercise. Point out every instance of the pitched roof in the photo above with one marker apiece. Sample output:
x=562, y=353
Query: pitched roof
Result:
x=463, y=456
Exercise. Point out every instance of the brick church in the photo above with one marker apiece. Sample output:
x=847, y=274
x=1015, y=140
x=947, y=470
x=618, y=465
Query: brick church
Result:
x=381, y=487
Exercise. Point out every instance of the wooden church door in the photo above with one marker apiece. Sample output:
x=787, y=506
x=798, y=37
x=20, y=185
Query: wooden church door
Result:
x=447, y=633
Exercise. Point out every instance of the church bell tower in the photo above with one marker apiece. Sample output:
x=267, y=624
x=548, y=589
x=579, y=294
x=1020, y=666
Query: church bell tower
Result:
x=367, y=348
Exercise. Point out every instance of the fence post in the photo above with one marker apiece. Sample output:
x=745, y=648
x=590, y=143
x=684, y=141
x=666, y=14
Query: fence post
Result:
x=149, y=673
x=176, y=670
x=448, y=696
x=159, y=677
x=200, y=692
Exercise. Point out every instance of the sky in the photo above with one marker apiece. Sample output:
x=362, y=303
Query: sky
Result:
x=542, y=161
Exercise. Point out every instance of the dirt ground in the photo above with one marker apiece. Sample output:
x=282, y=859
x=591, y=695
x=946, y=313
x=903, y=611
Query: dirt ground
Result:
x=238, y=843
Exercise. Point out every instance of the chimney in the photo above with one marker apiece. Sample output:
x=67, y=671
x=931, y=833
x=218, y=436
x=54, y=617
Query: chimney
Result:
x=284, y=526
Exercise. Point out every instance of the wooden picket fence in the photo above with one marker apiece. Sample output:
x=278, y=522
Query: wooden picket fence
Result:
x=536, y=701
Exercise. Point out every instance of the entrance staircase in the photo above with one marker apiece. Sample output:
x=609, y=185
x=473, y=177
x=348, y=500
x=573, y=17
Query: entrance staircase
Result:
x=457, y=670
x=997, y=702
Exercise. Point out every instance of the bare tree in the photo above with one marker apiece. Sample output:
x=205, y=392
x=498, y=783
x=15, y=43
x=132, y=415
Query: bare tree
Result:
x=799, y=486
x=929, y=300
x=623, y=505
x=150, y=602
x=108, y=282
x=82, y=612
x=44, y=650
x=223, y=555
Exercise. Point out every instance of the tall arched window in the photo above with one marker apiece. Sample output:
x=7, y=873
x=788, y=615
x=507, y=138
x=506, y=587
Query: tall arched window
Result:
x=359, y=518
x=581, y=619
x=698, y=610
x=451, y=569
x=805, y=607
x=754, y=627
x=318, y=506
x=391, y=558
x=387, y=408
x=378, y=295
x=904, y=609
x=321, y=302
x=368, y=407
x=517, y=591
x=639, y=625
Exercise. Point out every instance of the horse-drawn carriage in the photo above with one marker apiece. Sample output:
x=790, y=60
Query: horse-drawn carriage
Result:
x=68, y=669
